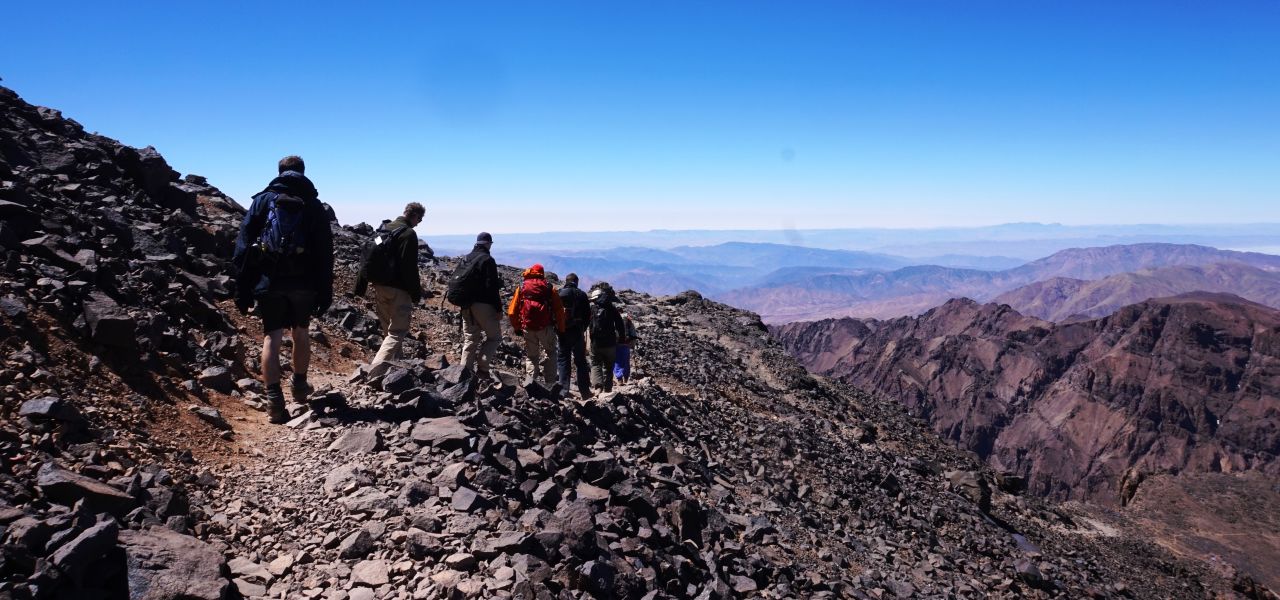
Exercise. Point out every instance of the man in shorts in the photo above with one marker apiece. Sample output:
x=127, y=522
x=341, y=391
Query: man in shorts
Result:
x=284, y=261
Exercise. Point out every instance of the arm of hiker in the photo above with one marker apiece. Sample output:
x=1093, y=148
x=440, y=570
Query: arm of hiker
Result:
x=409, y=272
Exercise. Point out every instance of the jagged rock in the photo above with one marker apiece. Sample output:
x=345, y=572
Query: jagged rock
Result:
x=87, y=551
x=357, y=545
x=346, y=478
x=508, y=542
x=243, y=568
x=51, y=408
x=743, y=585
x=461, y=561
x=446, y=433
x=66, y=487
x=466, y=499
x=212, y=416
x=362, y=440
x=217, y=379
x=281, y=565
x=397, y=380
x=370, y=572
x=108, y=323
x=164, y=565
x=972, y=486
x=368, y=500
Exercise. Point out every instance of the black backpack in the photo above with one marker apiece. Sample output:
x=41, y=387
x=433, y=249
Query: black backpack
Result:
x=577, y=310
x=604, y=330
x=283, y=240
x=464, y=284
x=379, y=261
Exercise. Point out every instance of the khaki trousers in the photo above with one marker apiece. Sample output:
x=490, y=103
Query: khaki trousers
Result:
x=540, y=351
x=394, y=308
x=481, y=334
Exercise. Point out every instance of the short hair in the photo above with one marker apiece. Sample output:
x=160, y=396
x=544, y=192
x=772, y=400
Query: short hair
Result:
x=413, y=209
x=292, y=163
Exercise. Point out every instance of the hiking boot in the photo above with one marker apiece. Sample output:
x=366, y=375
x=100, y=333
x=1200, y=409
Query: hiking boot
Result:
x=275, y=405
x=300, y=390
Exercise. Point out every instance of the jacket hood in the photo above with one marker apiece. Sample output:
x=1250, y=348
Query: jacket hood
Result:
x=481, y=247
x=294, y=183
x=535, y=272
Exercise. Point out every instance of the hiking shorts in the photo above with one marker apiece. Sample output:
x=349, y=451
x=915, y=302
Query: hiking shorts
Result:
x=285, y=309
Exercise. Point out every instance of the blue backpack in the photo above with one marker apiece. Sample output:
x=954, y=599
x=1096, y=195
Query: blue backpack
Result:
x=284, y=236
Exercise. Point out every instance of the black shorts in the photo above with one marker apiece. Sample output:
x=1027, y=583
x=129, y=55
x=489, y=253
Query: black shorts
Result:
x=285, y=309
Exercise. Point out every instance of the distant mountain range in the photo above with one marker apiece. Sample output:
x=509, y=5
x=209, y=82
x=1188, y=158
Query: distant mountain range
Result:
x=1022, y=241
x=1065, y=298
x=1082, y=410
x=716, y=269
x=912, y=290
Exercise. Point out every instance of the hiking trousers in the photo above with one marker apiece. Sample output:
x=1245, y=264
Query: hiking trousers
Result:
x=540, y=355
x=481, y=334
x=573, y=353
x=602, y=367
x=394, y=308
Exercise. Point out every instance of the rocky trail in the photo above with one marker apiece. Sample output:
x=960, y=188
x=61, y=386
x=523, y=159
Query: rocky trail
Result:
x=135, y=460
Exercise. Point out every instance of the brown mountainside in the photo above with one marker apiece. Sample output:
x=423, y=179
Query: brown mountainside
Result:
x=913, y=290
x=1061, y=298
x=1170, y=407
x=1176, y=384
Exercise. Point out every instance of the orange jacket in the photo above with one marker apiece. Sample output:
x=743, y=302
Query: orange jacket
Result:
x=557, y=307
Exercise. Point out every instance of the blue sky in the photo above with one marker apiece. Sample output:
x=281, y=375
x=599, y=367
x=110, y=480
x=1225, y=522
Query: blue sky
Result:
x=536, y=116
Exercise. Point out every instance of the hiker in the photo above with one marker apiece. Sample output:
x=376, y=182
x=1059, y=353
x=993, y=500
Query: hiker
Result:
x=476, y=288
x=622, y=361
x=572, y=343
x=606, y=329
x=390, y=263
x=284, y=262
x=537, y=315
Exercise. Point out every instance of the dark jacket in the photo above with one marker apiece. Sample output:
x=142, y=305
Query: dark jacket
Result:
x=607, y=327
x=317, y=261
x=405, y=251
x=489, y=290
x=577, y=309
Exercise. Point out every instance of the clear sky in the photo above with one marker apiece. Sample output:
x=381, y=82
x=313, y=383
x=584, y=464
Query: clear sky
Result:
x=534, y=116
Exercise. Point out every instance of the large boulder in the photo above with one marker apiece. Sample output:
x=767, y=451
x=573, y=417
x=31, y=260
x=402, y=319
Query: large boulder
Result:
x=109, y=324
x=166, y=565
x=66, y=487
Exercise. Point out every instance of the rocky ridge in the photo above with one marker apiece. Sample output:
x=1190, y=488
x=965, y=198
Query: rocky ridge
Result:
x=1067, y=299
x=134, y=461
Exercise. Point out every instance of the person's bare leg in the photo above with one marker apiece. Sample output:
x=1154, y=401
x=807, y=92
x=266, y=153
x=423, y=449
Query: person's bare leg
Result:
x=301, y=351
x=271, y=357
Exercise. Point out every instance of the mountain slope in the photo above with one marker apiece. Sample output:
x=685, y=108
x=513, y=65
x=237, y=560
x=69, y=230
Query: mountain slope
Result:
x=1060, y=298
x=1176, y=384
x=135, y=462
x=913, y=290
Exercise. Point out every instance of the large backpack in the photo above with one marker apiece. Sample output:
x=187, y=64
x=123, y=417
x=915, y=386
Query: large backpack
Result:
x=577, y=309
x=604, y=330
x=465, y=283
x=284, y=237
x=535, y=304
x=380, y=260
